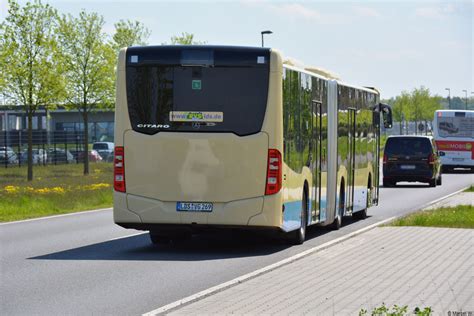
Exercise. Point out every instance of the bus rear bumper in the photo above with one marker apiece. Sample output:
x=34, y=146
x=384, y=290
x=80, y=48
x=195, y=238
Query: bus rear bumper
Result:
x=143, y=213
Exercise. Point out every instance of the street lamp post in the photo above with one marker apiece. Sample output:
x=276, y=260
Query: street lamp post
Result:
x=465, y=91
x=449, y=97
x=265, y=32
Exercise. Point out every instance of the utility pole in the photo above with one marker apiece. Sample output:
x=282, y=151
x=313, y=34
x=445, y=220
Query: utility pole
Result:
x=449, y=97
x=466, y=97
x=265, y=32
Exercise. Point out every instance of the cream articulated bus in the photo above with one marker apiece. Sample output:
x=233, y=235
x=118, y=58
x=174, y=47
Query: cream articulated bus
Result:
x=231, y=137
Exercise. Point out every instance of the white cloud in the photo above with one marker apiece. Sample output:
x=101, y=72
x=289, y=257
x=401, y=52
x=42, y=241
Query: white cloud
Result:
x=295, y=10
x=367, y=12
x=438, y=13
x=289, y=10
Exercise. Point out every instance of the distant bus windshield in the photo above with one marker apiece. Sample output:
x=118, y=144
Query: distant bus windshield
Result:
x=228, y=96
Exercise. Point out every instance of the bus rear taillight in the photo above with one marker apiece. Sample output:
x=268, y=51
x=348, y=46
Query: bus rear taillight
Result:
x=119, y=169
x=273, y=172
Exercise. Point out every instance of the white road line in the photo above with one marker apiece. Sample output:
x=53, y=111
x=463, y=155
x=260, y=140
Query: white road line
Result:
x=443, y=198
x=55, y=216
x=127, y=236
x=251, y=275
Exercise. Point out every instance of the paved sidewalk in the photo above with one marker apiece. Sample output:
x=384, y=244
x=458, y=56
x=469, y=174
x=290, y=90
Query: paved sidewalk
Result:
x=412, y=266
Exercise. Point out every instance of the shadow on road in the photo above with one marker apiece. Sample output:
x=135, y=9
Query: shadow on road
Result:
x=410, y=186
x=206, y=246
x=459, y=171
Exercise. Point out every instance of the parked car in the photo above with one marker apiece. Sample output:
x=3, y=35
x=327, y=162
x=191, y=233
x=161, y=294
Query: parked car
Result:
x=39, y=156
x=79, y=156
x=59, y=155
x=8, y=156
x=412, y=159
x=105, y=149
x=110, y=158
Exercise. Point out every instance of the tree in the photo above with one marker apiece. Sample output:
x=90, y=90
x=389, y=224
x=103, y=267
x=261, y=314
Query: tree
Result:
x=400, y=108
x=458, y=103
x=88, y=61
x=185, y=39
x=129, y=33
x=29, y=73
x=423, y=105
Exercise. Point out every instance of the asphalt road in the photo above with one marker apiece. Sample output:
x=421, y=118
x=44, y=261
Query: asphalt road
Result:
x=84, y=264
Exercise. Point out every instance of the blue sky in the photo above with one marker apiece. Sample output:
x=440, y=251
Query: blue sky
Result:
x=393, y=45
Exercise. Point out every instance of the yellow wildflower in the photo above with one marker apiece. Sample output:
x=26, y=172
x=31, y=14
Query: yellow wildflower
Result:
x=12, y=189
x=58, y=190
x=95, y=186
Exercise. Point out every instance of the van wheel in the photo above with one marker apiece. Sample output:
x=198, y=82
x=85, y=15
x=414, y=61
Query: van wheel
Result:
x=439, y=181
x=298, y=237
x=433, y=183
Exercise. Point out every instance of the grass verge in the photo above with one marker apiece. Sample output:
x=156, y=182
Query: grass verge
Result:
x=55, y=190
x=470, y=189
x=451, y=217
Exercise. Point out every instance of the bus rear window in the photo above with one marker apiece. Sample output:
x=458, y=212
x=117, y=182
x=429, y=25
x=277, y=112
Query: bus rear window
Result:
x=197, y=98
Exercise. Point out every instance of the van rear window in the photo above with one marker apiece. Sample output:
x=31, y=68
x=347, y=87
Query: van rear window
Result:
x=410, y=146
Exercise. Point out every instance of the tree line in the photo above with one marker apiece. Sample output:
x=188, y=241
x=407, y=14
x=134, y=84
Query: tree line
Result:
x=49, y=59
x=419, y=105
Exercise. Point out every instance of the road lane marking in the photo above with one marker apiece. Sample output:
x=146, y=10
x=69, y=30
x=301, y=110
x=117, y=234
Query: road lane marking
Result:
x=55, y=216
x=223, y=286
x=127, y=236
x=443, y=198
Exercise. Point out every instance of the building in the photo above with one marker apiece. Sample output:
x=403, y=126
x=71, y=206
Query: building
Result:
x=101, y=122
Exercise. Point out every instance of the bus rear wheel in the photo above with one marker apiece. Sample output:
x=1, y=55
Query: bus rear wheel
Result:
x=298, y=236
x=340, y=210
x=162, y=239
x=157, y=239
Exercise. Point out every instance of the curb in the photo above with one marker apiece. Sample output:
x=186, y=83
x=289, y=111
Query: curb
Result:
x=443, y=198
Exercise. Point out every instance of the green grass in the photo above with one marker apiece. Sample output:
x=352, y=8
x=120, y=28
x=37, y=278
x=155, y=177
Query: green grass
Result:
x=452, y=217
x=55, y=190
x=470, y=189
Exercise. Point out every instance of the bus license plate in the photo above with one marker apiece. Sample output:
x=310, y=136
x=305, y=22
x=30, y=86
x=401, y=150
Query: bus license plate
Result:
x=407, y=167
x=193, y=207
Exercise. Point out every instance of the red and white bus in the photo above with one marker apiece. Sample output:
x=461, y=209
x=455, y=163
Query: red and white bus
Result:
x=453, y=131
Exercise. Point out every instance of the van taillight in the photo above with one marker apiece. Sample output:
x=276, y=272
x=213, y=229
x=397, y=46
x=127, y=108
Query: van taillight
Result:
x=385, y=159
x=431, y=159
x=119, y=169
x=273, y=172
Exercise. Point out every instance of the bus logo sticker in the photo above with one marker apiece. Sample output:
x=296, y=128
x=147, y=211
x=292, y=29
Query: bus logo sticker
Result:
x=153, y=126
x=185, y=116
x=196, y=84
